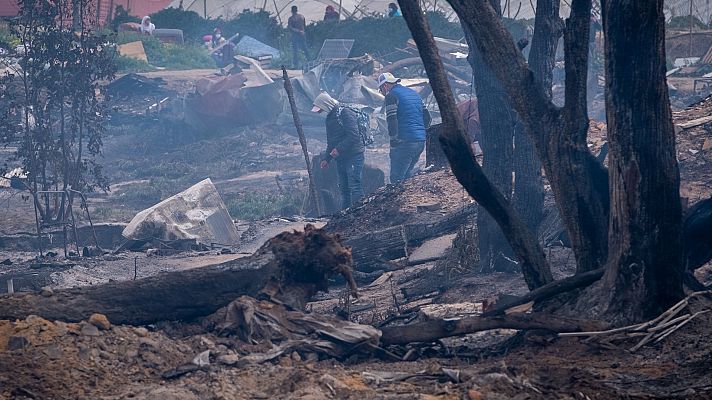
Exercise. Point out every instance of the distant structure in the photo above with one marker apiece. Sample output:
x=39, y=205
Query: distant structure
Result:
x=103, y=8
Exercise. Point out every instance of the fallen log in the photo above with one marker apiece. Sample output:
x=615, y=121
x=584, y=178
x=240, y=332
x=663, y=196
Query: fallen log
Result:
x=373, y=249
x=290, y=268
x=429, y=331
x=549, y=290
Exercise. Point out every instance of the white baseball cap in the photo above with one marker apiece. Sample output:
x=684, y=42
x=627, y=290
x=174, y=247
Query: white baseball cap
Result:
x=387, y=77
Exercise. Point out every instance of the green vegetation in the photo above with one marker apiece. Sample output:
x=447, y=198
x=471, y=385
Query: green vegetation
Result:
x=7, y=39
x=256, y=206
x=166, y=55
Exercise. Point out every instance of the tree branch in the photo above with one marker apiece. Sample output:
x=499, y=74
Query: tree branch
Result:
x=549, y=290
x=433, y=330
x=462, y=160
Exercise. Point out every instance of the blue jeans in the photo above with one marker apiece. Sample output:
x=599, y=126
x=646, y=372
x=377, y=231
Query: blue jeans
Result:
x=299, y=43
x=350, y=169
x=404, y=156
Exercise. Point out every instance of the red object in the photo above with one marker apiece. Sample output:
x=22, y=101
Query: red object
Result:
x=137, y=8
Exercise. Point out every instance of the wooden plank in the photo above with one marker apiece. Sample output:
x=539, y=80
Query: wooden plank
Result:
x=133, y=50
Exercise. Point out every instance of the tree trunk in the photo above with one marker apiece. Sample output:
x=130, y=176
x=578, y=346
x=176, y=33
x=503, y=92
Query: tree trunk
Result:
x=462, y=159
x=528, y=185
x=497, y=121
x=645, y=268
x=578, y=181
x=291, y=267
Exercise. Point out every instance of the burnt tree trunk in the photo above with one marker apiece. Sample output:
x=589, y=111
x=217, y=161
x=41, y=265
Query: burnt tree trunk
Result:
x=528, y=184
x=497, y=120
x=578, y=180
x=645, y=269
x=290, y=267
x=462, y=159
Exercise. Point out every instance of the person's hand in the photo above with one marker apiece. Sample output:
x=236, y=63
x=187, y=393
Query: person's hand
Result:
x=324, y=164
x=334, y=153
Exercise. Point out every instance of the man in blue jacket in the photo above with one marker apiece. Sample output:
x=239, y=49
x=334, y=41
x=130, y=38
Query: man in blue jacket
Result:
x=343, y=144
x=407, y=120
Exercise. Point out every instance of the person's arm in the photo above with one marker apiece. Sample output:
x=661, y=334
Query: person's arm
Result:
x=352, y=137
x=391, y=104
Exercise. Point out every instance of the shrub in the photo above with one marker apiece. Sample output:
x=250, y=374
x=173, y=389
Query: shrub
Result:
x=168, y=55
x=256, y=206
x=121, y=15
x=193, y=25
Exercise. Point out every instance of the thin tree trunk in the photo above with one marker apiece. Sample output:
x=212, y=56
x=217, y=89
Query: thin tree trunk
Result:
x=497, y=120
x=462, y=159
x=528, y=184
x=645, y=268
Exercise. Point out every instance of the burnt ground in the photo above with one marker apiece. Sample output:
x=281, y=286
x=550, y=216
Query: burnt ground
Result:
x=146, y=164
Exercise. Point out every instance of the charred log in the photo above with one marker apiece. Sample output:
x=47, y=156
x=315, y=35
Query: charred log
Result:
x=290, y=267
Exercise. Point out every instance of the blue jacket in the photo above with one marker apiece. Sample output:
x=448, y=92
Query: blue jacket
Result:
x=406, y=115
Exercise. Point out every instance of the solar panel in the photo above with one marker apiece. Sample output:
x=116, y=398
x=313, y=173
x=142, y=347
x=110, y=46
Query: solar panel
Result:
x=335, y=48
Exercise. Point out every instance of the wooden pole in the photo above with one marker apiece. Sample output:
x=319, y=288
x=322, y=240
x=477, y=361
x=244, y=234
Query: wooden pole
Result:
x=302, y=139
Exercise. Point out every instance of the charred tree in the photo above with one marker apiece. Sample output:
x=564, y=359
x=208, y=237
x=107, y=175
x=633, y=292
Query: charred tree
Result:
x=578, y=180
x=497, y=120
x=462, y=159
x=645, y=268
x=528, y=185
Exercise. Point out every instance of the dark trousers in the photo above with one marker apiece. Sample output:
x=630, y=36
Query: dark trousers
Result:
x=299, y=43
x=404, y=156
x=350, y=169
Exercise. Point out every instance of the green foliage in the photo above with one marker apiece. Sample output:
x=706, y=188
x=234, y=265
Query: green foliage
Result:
x=193, y=25
x=121, y=15
x=127, y=64
x=683, y=22
x=260, y=25
x=256, y=206
x=7, y=39
x=375, y=35
x=61, y=137
x=167, y=55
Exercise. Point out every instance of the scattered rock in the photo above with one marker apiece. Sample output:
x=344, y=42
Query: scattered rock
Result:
x=202, y=359
x=53, y=352
x=100, y=321
x=474, y=394
x=425, y=207
x=707, y=144
x=89, y=330
x=296, y=357
x=204, y=341
x=148, y=342
x=6, y=261
x=141, y=331
x=229, y=359
x=17, y=343
x=46, y=292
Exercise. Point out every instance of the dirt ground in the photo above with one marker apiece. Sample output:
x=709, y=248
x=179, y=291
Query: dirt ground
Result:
x=42, y=359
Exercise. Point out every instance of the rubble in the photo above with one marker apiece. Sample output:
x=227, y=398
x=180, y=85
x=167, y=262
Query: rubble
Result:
x=196, y=213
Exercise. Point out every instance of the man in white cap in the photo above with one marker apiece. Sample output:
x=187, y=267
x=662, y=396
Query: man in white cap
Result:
x=407, y=120
x=343, y=144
